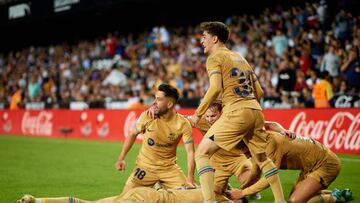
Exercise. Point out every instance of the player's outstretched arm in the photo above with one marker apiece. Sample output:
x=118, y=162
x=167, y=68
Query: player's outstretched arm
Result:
x=129, y=142
x=190, y=150
x=211, y=95
x=277, y=127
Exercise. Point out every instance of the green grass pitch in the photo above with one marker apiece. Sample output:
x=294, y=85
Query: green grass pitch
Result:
x=46, y=167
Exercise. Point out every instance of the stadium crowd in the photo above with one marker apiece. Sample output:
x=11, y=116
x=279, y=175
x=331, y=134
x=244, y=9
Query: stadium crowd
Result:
x=296, y=53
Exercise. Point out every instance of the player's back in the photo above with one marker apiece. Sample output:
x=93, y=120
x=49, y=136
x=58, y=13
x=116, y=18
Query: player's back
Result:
x=237, y=79
x=301, y=153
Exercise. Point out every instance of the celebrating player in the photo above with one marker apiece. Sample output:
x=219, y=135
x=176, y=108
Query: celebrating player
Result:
x=318, y=165
x=157, y=157
x=242, y=118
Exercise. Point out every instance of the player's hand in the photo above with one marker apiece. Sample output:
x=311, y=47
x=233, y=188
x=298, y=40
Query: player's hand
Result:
x=194, y=119
x=289, y=134
x=234, y=194
x=190, y=182
x=120, y=165
x=151, y=112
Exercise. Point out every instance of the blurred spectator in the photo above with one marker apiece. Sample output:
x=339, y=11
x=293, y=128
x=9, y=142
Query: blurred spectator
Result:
x=284, y=46
x=287, y=77
x=351, y=69
x=279, y=42
x=331, y=62
x=16, y=98
x=322, y=92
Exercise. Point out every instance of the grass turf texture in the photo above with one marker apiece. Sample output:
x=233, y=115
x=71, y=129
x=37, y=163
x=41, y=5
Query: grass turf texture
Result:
x=46, y=167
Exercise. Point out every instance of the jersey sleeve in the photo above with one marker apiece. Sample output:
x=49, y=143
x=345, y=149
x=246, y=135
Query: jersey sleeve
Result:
x=213, y=65
x=187, y=133
x=141, y=122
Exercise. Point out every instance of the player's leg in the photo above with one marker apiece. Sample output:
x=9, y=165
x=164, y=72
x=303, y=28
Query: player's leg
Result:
x=141, y=176
x=31, y=199
x=306, y=189
x=318, y=180
x=245, y=177
x=257, y=145
x=141, y=194
x=226, y=133
x=172, y=177
x=221, y=179
x=205, y=150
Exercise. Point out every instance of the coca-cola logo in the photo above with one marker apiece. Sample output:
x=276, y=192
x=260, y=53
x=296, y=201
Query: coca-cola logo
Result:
x=340, y=132
x=40, y=124
x=129, y=125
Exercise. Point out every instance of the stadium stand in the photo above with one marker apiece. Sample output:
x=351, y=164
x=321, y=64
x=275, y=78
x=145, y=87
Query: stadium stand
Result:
x=296, y=52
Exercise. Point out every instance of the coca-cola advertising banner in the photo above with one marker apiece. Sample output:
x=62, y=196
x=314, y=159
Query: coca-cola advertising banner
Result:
x=338, y=129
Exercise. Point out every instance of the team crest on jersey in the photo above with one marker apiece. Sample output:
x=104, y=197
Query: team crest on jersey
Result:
x=172, y=136
x=150, y=142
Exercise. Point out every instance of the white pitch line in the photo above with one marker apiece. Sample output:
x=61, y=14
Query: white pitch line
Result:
x=350, y=159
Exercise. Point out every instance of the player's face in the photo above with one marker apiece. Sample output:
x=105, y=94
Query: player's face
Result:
x=212, y=115
x=207, y=41
x=161, y=103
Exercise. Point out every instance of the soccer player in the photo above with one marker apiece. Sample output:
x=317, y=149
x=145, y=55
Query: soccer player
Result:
x=226, y=164
x=156, y=160
x=318, y=165
x=242, y=118
x=138, y=195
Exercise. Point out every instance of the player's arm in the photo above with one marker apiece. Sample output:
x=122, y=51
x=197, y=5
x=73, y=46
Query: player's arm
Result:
x=257, y=87
x=190, y=151
x=212, y=93
x=189, y=147
x=236, y=194
x=254, y=176
x=129, y=141
x=213, y=66
x=277, y=127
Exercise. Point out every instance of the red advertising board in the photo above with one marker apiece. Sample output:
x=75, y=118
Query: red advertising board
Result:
x=338, y=129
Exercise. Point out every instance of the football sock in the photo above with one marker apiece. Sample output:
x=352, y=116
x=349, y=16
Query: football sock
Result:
x=60, y=200
x=271, y=174
x=323, y=198
x=206, y=177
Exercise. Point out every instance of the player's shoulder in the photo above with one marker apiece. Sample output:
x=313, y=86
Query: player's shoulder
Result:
x=144, y=116
x=183, y=119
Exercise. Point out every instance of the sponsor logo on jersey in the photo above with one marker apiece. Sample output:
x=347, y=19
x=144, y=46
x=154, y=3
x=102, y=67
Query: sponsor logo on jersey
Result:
x=150, y=142
x=172, y=136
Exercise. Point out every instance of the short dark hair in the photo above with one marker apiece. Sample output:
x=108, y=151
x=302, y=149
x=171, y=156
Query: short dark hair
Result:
x=216, y=28
x=169, y=91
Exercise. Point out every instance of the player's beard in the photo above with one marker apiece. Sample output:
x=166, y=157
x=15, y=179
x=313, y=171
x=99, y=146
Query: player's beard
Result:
x=161, y=112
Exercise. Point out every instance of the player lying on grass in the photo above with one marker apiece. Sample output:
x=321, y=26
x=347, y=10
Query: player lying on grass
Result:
x=156, y=160
x=136, y=195
x=318, y=165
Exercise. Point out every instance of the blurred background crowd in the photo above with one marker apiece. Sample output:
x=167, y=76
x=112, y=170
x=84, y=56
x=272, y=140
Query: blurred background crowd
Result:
x=303, y=57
